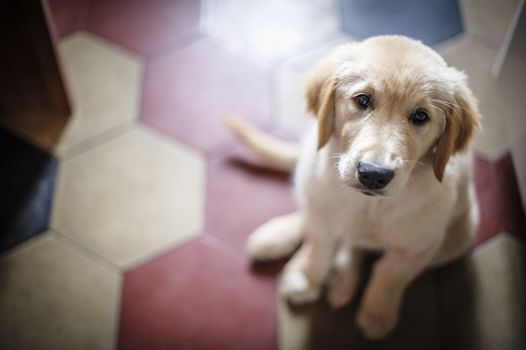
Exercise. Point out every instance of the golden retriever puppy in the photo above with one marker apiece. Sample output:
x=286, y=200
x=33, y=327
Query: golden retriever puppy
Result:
x=387, y=167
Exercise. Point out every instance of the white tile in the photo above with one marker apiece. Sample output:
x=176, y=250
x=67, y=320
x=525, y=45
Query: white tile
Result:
x=488, y=18
x=289, y=88
x=476, y=60
x=271, y=30
x=132, y=197
x=52, y=297
x=104, y=82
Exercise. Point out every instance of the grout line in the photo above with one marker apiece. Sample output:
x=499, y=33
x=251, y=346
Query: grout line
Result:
x=452, y=42
x=96, y=141
x=232, y=247
x=184, y=42
x=118, y=309
x=25, y=245
x=174, y=141
x=87, y=252
x=492, y=157
x=506, y=42
x=159, y=253
x=487, y=43
x=109, y=45
x=218, y=41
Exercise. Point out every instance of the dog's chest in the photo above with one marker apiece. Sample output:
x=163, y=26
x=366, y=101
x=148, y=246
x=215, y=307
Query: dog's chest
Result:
x=346, y=213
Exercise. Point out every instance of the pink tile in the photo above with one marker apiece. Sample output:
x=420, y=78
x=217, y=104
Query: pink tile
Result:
x=242, y=195
x=145, y=26
x=202, y=296
x=188, y=92
x=67, y=15
x=498, y=195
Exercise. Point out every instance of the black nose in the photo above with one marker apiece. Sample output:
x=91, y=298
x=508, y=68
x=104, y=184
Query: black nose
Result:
x=373, y=176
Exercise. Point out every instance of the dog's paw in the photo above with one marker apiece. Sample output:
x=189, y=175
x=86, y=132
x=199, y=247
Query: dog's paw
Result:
x=295, y=287
x=275, y=239
x=376, y=323
x=261, y=247
x=341, y=289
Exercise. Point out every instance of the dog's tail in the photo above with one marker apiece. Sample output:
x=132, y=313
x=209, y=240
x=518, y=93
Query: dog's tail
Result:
x=276, y=153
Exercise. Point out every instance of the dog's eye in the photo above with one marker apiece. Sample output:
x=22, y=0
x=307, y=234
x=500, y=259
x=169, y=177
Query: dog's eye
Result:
x=419, y=117
x=363, y=101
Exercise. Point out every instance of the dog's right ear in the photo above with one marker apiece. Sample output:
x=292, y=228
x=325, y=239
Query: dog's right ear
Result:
x=321, y=90
x=462, y=120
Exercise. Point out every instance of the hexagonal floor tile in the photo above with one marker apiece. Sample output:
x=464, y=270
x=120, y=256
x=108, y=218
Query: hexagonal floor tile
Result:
x=482, y=298
x=271, y=30
x=488, y=18
x=27, y=181
x=132, y=197
x=201, y=296
x=499, y=200
x=477, y=61
x=431, y=21
x=242, y=195
x=67, y=15
x=104, y=83
x=188, y=92
x=145, y=26
x=52, y=297
x=289, y=89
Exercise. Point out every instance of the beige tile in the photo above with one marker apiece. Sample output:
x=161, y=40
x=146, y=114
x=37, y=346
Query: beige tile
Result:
x=289, y=88
x=477, y=61
x=319, y=327
x=482, y=298
x=104, y=82
x=289, y=100
x=51, y=297
x=488, y=18
x=271, y=30
x=132, y=197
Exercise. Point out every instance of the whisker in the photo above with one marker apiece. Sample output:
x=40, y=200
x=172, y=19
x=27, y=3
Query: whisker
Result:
x=412, y=161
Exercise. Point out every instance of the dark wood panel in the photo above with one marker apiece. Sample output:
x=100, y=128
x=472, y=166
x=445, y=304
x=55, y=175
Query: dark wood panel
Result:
x=33, y=98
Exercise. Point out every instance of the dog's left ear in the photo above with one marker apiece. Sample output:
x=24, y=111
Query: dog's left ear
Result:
x=462, y=120
x=321, y=91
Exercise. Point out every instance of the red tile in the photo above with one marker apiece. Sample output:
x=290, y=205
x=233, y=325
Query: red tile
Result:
x=67, y=15
x=145, y=26
x=242, y=195
x=188, y=92
x=499, y=199
x=201, y=296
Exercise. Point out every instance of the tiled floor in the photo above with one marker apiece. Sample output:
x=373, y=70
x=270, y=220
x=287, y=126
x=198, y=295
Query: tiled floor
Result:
x=140, y=247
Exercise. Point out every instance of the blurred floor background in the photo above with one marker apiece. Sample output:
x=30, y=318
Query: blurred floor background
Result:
x=130, y=233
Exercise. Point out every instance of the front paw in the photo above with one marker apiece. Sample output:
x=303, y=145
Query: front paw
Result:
x=341, y=289
x=376, y=322
x=297, y=289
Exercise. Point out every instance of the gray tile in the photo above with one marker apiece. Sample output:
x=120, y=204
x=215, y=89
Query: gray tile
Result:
x=488, y=18
x=481, y=298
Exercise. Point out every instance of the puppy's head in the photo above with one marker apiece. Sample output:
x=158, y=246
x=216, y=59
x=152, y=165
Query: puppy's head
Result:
x=392, y=105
